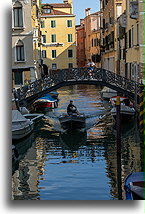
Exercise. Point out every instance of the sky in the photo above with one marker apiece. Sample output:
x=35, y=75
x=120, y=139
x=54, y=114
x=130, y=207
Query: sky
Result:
x=79, y=7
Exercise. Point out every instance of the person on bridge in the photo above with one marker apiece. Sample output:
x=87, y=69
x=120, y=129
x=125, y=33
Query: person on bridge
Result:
x=91, y=66
x=72, y=108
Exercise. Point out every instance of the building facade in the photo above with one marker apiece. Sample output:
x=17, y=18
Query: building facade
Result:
x=110, y=11
x=22, y=43
x=80, y=34
x=135, y=44
x=58, y=36
x=36, y=22
x=92, y=36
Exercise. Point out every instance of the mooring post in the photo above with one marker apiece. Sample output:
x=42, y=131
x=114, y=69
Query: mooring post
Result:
x=118, y=142
x=141, y=111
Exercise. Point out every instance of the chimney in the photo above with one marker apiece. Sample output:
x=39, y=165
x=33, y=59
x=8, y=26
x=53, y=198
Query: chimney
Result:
x=65, y=1
x=88, y=11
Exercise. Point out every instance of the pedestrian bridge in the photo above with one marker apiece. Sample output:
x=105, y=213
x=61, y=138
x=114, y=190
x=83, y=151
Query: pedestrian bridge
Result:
x=29, y=93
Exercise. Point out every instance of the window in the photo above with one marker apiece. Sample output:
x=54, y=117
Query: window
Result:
x=129, y=39
x=53, y=53
x=42, y=24
x=18, y=16
x=70, y=53
x=70, y=38
x=53, y=38
x=47, y=10
x=44, y=54
x=69, y=23
x=20, y=51
x=53, y=23
x=92, y=42
x=43, y=38
x=18, y=77
x=137, y=32
x=70, y=65
x=132, y=37
x=118, y=9
x=54, y=66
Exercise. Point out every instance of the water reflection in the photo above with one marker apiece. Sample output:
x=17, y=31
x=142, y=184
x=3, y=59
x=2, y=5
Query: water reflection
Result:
x=56, y=165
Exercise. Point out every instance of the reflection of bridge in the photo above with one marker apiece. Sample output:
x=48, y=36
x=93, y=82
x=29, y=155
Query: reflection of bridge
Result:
x=34, y=90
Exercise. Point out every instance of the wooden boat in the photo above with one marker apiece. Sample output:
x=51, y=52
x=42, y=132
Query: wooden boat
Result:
x=134, y=186
x=127, y=110
x=46, y=102
x=73, y=121
x=21, y=127
x=107, y=93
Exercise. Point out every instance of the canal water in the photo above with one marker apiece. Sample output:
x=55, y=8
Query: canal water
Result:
x=81, y=165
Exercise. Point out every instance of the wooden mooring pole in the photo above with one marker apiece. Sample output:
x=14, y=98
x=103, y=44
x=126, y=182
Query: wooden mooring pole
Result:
x=118, y=141
x=141, y=112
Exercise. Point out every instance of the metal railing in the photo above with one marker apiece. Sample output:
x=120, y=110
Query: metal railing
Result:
x=77, y=74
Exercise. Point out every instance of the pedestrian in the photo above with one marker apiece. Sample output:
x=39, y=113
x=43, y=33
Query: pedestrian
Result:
x=90, y=66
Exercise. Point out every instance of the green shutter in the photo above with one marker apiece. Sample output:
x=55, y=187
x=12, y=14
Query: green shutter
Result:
x=53, y=23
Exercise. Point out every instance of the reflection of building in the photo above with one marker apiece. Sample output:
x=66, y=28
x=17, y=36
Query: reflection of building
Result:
x=22, y=43
x=58, y=35
x=92, y=36
x=25, y=179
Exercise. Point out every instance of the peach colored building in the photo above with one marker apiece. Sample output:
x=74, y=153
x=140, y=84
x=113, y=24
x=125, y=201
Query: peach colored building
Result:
x=92, y=36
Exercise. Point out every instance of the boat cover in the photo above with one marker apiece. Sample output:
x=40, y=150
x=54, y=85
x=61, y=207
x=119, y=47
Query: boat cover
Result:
x=19, y=121
x=47, y=97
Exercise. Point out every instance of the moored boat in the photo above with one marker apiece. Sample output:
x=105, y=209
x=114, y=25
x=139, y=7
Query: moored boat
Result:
x=46, y=102
x=73, y=121
x=36, y=118
x=134, y=186
x=54, y=94
x=21, y=127
x=127, y=110
x=107, y=93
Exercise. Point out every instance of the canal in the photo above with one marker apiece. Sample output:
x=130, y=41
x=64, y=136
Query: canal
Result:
x=57, y=165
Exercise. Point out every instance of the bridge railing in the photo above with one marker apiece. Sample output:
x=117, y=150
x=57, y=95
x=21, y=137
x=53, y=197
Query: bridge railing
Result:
x=77, y=74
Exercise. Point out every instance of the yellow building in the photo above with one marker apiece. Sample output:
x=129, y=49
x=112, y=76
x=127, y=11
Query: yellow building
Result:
x=36, y=12
x=134, y=51
x=110, y=11
x=58, y=36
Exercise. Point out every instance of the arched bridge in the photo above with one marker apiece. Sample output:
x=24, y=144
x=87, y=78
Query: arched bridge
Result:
x=29, y=93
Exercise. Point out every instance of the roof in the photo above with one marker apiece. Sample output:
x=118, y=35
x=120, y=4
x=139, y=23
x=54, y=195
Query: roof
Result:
x=55, y=12
x=58, y=5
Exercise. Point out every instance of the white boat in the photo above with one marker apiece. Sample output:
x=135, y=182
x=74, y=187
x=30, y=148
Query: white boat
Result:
x=107, y=93
x=34, y=117
x=21, y=127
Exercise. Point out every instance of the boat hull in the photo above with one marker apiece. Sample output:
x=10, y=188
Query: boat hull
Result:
x=134, y=186
x=18, y=134
x=45, y=105
x=72, y=122
x=126, y=113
